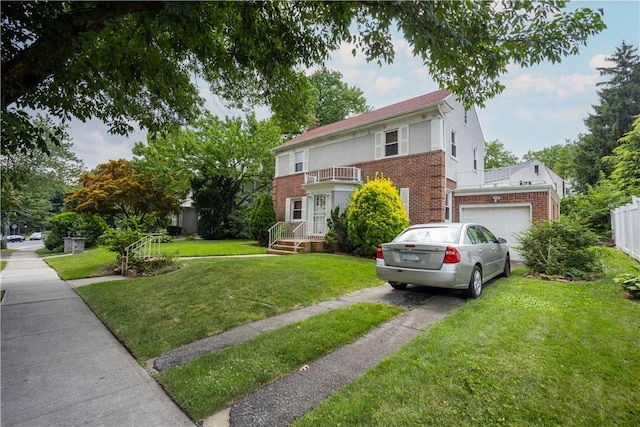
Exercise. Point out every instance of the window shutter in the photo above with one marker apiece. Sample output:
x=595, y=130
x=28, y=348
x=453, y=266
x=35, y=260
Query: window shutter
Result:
x=305, y=161
x=287, y=209
x=403, y=143
x=404, y=196
x=292, y=164
x=379, y=153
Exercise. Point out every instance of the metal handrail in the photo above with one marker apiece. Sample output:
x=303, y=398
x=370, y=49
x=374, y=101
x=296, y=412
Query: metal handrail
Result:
x=145, y=248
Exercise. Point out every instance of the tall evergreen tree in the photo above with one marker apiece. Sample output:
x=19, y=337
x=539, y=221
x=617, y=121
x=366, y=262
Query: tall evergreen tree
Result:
x=612, y=118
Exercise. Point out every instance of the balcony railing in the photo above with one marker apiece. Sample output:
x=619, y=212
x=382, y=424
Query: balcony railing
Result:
x=341, y=173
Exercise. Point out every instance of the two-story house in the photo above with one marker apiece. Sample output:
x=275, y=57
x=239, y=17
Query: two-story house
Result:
x=431, y=147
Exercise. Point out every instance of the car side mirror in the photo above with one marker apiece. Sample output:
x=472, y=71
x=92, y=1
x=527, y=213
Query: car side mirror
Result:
x=501, y=240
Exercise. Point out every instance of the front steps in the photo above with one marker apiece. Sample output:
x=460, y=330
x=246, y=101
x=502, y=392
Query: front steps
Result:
x=286, y=247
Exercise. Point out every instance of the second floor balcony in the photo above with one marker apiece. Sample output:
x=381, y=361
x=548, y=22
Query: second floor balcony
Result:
x=342, y=173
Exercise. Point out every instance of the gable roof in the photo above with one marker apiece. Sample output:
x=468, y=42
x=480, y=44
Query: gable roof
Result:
x=404, y=107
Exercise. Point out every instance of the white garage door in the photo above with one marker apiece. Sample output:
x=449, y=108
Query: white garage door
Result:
x=503, y=221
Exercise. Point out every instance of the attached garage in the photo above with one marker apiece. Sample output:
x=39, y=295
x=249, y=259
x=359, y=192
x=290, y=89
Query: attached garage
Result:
x=504, y=220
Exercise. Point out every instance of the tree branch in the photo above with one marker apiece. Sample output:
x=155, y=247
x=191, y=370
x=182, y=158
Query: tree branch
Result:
x=24, y=72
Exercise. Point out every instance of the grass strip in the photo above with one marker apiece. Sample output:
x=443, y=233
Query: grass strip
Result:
x=193, y=248
x=151, y=315
x=528, y=353
x=210, y=383
x=91, y=263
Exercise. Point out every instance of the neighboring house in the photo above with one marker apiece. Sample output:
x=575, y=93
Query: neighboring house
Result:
x=432, y=149
x=187, y=218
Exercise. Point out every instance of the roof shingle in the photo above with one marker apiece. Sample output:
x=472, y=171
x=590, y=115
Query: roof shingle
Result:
x=402, y=107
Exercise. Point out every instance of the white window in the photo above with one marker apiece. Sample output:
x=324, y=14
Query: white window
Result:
x=454, y=144
x=447, y=206
x=294, y=209
x=299, y=161
x=475, y=159
x=392, y=143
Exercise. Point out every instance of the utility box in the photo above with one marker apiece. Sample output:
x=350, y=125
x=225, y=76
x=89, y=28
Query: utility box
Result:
x=74, y=245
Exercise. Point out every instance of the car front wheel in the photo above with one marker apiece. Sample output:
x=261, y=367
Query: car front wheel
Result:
x=397, y=285
x=475, y=284
x=506, y=272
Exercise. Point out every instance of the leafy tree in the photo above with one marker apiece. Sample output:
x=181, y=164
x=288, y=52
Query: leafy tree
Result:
x=561, y=246
x=135, y=61
x=336, y=99
x=613, y=117
x=375, y=215
x=626, y=162
x=593, y=208
x=225, y=163
x=33, y=183
x=496, y=156
x=116, y=189
x=558, y=158
x=263, y=216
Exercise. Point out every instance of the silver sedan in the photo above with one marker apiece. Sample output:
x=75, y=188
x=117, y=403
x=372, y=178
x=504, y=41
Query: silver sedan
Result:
x=444, y=255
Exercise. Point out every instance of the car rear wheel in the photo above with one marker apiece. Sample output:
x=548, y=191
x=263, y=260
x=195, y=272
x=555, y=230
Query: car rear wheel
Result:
x=506, y=272
x=397, y=285
x=475, y=284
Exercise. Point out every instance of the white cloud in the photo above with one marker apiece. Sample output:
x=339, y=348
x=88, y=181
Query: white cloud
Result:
x=384, y=86
x=600, y=61
x=558, y=87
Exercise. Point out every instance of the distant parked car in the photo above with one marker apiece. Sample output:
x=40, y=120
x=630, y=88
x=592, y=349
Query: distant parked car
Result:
x=444, y=255
x=15, y=238
x=36, y=236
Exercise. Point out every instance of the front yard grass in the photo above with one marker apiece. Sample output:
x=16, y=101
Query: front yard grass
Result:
x=209, y=296
x=91, y=263
x=208, y=384
x=198, y=248
x=527, y=353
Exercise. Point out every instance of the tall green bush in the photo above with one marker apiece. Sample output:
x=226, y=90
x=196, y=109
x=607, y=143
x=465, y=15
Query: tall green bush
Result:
x=375, y=215
x=72, y=224
x=562, y=246
x=262, y=218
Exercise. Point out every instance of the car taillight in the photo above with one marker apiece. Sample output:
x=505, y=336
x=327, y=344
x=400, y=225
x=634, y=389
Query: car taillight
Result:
x=451, y=255
x=379, y=252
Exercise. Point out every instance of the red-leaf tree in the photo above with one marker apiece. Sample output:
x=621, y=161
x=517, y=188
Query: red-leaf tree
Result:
x=119, y=190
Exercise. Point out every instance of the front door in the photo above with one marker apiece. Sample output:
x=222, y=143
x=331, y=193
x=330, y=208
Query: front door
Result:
x=319, y=214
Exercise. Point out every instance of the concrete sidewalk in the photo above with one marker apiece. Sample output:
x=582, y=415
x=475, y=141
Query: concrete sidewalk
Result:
x=60, y=364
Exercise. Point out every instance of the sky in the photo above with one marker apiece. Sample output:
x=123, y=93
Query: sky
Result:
x=541, y=106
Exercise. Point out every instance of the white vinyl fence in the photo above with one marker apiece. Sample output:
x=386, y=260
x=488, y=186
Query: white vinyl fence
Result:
x=625, y=222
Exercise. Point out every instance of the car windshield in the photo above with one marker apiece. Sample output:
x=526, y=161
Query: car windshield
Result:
x=430, y=234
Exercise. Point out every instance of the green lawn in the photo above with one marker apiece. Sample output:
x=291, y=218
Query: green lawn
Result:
x=197, y=248
x=91, y=263
x=208, y=384
x=208, y=296
x=527, y=353
x=99, y=262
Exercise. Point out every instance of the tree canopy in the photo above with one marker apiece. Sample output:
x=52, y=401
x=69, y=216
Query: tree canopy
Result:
x=137, y=62
x=612, y=117
x=224, y=163
x=32, y=184
x=118, y=190
x=336, y=99
x=496, y=156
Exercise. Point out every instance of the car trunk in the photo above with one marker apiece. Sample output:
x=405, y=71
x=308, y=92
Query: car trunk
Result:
x=410, y=255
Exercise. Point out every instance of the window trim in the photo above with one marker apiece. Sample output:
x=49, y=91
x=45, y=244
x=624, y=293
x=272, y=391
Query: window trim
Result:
x=453, y=143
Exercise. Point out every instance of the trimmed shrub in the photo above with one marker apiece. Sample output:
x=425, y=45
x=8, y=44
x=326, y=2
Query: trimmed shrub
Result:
x=375, y=215
x=262, y=218
x=118, y=240
x=72, y=224
x=562, y=246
